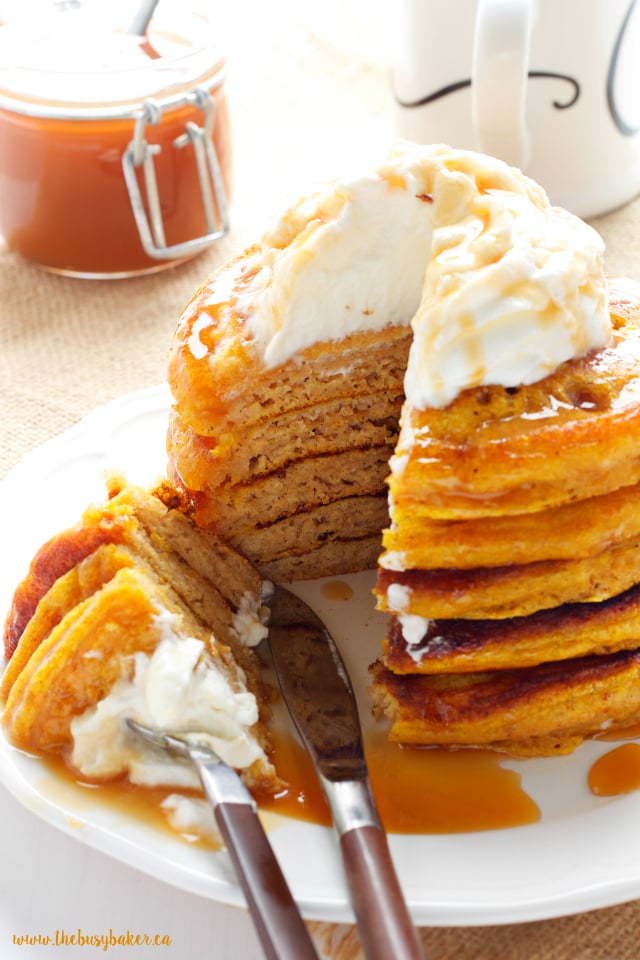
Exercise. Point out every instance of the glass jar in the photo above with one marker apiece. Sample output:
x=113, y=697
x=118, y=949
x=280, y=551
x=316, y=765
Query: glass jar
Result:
x=115, y=154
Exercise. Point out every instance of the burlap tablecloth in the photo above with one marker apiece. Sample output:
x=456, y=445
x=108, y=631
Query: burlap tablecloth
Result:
x=309, y=97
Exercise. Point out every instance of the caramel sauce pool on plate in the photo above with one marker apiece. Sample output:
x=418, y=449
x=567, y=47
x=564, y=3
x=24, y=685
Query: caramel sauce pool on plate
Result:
x=417, y=790
x=616, y=772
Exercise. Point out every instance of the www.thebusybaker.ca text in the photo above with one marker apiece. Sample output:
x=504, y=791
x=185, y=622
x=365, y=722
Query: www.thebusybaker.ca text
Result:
x=81, y=939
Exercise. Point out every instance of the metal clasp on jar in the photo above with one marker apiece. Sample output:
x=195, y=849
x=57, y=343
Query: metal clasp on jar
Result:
x=140, y=153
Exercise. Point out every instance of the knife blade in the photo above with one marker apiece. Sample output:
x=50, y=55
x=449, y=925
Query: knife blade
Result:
x=318, y=693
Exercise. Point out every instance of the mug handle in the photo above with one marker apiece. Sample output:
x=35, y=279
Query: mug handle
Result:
x=499, y=73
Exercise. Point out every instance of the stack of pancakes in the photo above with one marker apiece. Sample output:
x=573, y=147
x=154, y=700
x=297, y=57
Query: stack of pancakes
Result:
x=286, y=464
x=512, y=563
x=99, y=594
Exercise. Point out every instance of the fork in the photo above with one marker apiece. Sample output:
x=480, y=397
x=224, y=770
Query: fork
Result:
x=281, y=930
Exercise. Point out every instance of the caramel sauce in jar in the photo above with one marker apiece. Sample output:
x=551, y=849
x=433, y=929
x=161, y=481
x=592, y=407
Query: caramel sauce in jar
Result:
x=81, y=101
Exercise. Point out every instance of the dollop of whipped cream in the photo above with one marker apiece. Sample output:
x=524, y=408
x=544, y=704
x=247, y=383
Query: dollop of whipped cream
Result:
x=499, y=286
x=178, y=688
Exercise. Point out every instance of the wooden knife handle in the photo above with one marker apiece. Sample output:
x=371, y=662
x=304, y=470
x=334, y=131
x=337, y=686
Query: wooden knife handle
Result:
x=384, y=923
x=280, y=928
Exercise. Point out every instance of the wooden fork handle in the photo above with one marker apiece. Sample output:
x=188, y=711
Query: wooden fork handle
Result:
x=280, y=928
x=278, y=922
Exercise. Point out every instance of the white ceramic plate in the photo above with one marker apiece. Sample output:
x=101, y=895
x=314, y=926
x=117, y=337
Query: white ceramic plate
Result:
x=584, y=853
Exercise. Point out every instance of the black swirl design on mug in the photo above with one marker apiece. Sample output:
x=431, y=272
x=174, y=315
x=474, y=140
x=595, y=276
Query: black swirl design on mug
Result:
x=625, y=129
x=560, y=76
x=533, y=74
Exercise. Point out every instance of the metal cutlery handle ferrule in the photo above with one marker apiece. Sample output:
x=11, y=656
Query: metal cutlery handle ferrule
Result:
x=282, y=932
x=220, y=782
x=383, y=919
x=351, y=803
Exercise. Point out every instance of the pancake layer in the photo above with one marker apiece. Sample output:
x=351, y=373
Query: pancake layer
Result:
x=543, y=710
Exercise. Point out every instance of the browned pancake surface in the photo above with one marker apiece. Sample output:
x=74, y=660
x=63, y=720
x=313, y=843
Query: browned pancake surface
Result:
x=531, y=711
x=515, y=590
x=562, y=633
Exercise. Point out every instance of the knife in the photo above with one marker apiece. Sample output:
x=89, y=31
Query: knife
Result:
x=281, y=930
x=317, y=691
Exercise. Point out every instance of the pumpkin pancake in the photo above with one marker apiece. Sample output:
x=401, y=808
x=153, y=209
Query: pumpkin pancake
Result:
x=96, y=646
x=270, y=444
x=512, y=559
x=69, y=590
x=533, y=711
x=305, y=484
x=210, y=576
x=346, y=556
x=55, y=558
x=469, y=646
x=135, y=578
x=301, y=532
x=580, y=529
x=510, y=591
x=80, y=659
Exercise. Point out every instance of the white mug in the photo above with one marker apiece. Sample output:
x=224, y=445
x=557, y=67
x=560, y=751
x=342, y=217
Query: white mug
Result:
x=550, y=86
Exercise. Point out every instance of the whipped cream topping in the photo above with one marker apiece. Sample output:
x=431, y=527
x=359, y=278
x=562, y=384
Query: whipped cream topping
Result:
x=500, y=287
x=399, y=597
x=249, y=619
x=349, y=258
x=511, y=291
x=191, y=816
x=414, y=627
x=178, y=688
